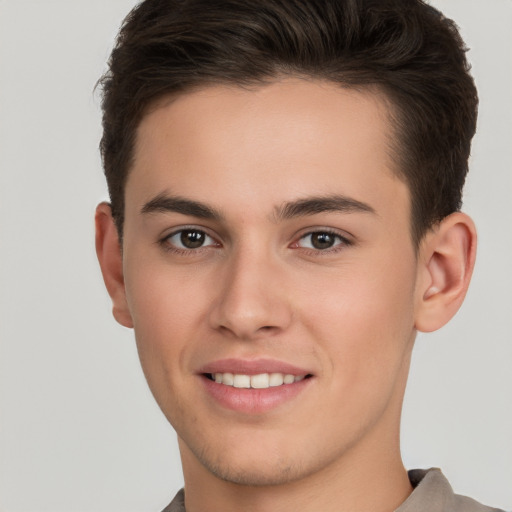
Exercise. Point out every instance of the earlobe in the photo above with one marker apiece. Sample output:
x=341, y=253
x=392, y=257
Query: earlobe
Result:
x=109, y=255
x=446, y=259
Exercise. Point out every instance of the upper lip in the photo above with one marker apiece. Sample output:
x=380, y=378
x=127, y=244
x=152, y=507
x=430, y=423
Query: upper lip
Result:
x=252, y=367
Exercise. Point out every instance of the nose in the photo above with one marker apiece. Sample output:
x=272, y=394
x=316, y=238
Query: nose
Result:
x=251, y=302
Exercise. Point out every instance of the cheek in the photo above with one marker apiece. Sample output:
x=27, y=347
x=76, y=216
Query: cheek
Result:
x=364, y=320
x=165, y=302
x=167, y=312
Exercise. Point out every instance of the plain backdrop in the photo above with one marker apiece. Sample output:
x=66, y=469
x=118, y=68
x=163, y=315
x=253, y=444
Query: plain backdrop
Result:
x=79, y=430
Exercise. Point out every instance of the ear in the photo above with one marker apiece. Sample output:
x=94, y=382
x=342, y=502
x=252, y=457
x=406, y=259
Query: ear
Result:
x=446, y=260
x=108, y=250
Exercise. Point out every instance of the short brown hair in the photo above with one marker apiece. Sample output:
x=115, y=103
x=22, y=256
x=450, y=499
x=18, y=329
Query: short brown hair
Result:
x=406, y=48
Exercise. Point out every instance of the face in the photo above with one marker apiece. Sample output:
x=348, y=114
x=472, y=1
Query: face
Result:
x=270, y=276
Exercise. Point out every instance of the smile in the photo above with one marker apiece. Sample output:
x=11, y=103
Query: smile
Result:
x=259, y=381
x=254, y=387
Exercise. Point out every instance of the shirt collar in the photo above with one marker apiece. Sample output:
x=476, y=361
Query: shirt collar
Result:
x=432, y=492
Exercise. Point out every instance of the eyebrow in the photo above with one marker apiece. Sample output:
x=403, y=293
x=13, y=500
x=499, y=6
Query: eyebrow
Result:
x=315, y=205
x=164, y=203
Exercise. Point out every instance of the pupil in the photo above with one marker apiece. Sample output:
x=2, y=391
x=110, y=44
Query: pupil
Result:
x=322, y=240
x=192, y=239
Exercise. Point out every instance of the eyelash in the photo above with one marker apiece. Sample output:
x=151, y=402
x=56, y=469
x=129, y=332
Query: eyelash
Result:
x=168, y=246
x=343, y=242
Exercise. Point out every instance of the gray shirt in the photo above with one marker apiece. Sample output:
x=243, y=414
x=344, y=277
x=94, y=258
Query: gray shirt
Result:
x=432, y=493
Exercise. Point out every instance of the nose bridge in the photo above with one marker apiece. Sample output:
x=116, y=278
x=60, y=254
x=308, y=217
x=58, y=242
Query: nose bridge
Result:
x=251, y=299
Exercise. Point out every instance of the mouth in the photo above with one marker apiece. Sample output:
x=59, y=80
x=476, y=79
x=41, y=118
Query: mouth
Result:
x=254, y=386
x=258, y=381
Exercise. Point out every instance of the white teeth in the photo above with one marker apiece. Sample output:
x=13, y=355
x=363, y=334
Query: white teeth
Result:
x=260, y=381
x=289, y=379
x=228, y=379
x=242, y=381
x=276, y=379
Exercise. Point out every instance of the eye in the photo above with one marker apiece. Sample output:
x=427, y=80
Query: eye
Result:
x=189, y=239
x=321, y=240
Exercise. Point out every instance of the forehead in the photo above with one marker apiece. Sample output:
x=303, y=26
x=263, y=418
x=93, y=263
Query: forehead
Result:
x=279, y=141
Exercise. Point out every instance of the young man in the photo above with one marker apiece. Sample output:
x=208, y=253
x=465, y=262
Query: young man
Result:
x=285, y=181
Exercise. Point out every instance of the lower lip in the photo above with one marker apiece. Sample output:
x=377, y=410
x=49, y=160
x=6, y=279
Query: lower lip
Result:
x=254, y=401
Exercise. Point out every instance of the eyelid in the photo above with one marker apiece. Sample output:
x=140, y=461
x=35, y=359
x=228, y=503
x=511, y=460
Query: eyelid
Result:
x=167, y=245
x=187, y=227
x=344, y=240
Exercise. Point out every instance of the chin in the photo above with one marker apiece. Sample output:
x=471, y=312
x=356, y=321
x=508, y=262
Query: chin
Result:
x=256, y=466
x=255, y=477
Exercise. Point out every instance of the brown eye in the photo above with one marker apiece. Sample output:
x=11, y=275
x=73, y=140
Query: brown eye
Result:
x=189, y=239
x=321, y=240
x=192, y=239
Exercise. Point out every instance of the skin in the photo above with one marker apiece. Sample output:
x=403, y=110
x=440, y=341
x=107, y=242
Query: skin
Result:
x=258, y=288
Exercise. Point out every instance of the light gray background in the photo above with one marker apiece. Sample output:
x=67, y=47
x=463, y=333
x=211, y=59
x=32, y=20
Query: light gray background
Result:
x=79, y=430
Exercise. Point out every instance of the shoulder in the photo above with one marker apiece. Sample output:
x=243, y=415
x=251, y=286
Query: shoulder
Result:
x=433, y=493
x=463, y=503
x=177, y=504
